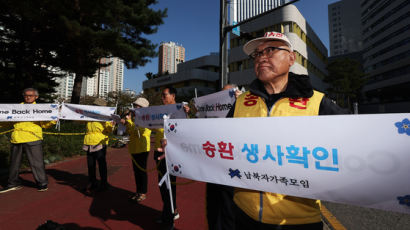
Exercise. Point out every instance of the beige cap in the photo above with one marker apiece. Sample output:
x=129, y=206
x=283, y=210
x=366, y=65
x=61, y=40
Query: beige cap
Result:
x=100, y=102
x=251, y=46
x=141, y=102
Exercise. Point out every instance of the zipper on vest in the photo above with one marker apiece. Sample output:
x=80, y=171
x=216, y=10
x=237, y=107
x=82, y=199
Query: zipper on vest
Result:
x=260, y=206
x=270, y=109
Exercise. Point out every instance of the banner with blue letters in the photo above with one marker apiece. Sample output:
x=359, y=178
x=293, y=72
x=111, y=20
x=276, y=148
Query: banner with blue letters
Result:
x=354, y=159
x=153, y=116
x=215, y=105
x=86, y=112
x=28, y=112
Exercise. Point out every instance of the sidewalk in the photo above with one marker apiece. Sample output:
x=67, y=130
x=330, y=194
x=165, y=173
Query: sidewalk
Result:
x=65, y=202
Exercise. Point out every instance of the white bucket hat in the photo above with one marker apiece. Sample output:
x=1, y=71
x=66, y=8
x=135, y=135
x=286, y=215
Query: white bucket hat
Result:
x=141, y=102
x=251, y=46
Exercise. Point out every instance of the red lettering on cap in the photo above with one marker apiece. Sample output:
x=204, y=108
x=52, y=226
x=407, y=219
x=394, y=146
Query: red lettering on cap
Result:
x=273, y=34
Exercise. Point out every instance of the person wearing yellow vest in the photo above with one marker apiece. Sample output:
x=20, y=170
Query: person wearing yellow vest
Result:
x=95, y=143
x=139, y=147
x=277, y=92
x=27, y=136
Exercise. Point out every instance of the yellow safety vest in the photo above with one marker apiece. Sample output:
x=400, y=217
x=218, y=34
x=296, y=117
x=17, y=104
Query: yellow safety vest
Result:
x=140, y=138
x=159, y=134
x=274, y=208
x=97, y=133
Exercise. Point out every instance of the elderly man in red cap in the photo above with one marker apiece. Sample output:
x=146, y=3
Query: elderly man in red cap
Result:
x=277, y=92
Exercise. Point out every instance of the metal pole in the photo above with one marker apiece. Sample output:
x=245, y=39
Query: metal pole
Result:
x=223, y=43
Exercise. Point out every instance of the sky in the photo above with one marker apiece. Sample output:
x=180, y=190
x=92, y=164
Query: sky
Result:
x=194, y=24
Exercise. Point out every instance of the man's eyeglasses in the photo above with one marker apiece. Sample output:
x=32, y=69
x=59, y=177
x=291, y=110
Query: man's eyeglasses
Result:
x=164, y=94
x=268, y=51
x=29, y=95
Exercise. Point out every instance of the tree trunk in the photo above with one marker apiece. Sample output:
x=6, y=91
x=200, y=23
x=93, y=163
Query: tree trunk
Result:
x=75, y=96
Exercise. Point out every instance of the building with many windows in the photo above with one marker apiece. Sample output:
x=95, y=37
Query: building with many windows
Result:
x=65, y=85
x=105, y=80
x=386, y=55
x=170, y=55
x=345, y=33
x=200, y=75
x=241, y=10
x=311, y=54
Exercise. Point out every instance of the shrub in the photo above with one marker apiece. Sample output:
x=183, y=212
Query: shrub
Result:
x=55, y=147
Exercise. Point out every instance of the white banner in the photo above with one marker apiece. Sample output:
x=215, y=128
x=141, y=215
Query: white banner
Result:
x=28, y=112
x=153, y=116
x=355, y=159
x=215, y=105
x=86, y=112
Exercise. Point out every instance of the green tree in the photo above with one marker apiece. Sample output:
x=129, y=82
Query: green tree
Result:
x=149, y=75
x=73, y=35
x=121, y=99
x=346, y=79
x=25, y=52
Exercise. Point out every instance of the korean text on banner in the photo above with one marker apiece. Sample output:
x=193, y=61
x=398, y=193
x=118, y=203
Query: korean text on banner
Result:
x=153, y=116
x=355, y=159
x=86, y=112
x=28, y=112
x=215, y=105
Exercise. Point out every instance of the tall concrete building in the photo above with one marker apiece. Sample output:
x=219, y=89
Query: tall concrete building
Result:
x=65, y=86
x=311, y=54
x=170, y=55
x=345, y=32
x=386, y=55
x=241, y=10
x=105, y=80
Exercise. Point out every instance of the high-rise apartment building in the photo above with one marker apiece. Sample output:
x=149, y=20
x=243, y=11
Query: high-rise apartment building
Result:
x=105, y=80
x=170, y=55
x=386, y=55
x=345, y=33
x=311, y=54
x=65, y=85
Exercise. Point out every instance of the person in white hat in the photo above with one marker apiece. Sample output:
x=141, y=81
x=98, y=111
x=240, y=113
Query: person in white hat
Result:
x=277, y=92
x=139, y=147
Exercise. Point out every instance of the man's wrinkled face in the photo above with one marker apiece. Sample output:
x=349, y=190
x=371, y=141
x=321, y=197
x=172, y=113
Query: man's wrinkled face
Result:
x=30, y=97
x=167, y=98
x=272, y=63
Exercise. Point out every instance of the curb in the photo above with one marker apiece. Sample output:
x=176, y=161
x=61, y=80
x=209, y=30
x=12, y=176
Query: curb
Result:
x=330, y=220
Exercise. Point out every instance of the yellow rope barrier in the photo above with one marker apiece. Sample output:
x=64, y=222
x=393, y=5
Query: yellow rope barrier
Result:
x=8, y=131
x=63, y=134
x=160, y=174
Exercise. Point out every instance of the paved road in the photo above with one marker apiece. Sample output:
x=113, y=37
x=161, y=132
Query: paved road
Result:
x=66, y=203
x=359, y=218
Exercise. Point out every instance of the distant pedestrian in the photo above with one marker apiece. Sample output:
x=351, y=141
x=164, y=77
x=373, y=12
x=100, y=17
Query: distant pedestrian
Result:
x=95, y=143
x=28, y=137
